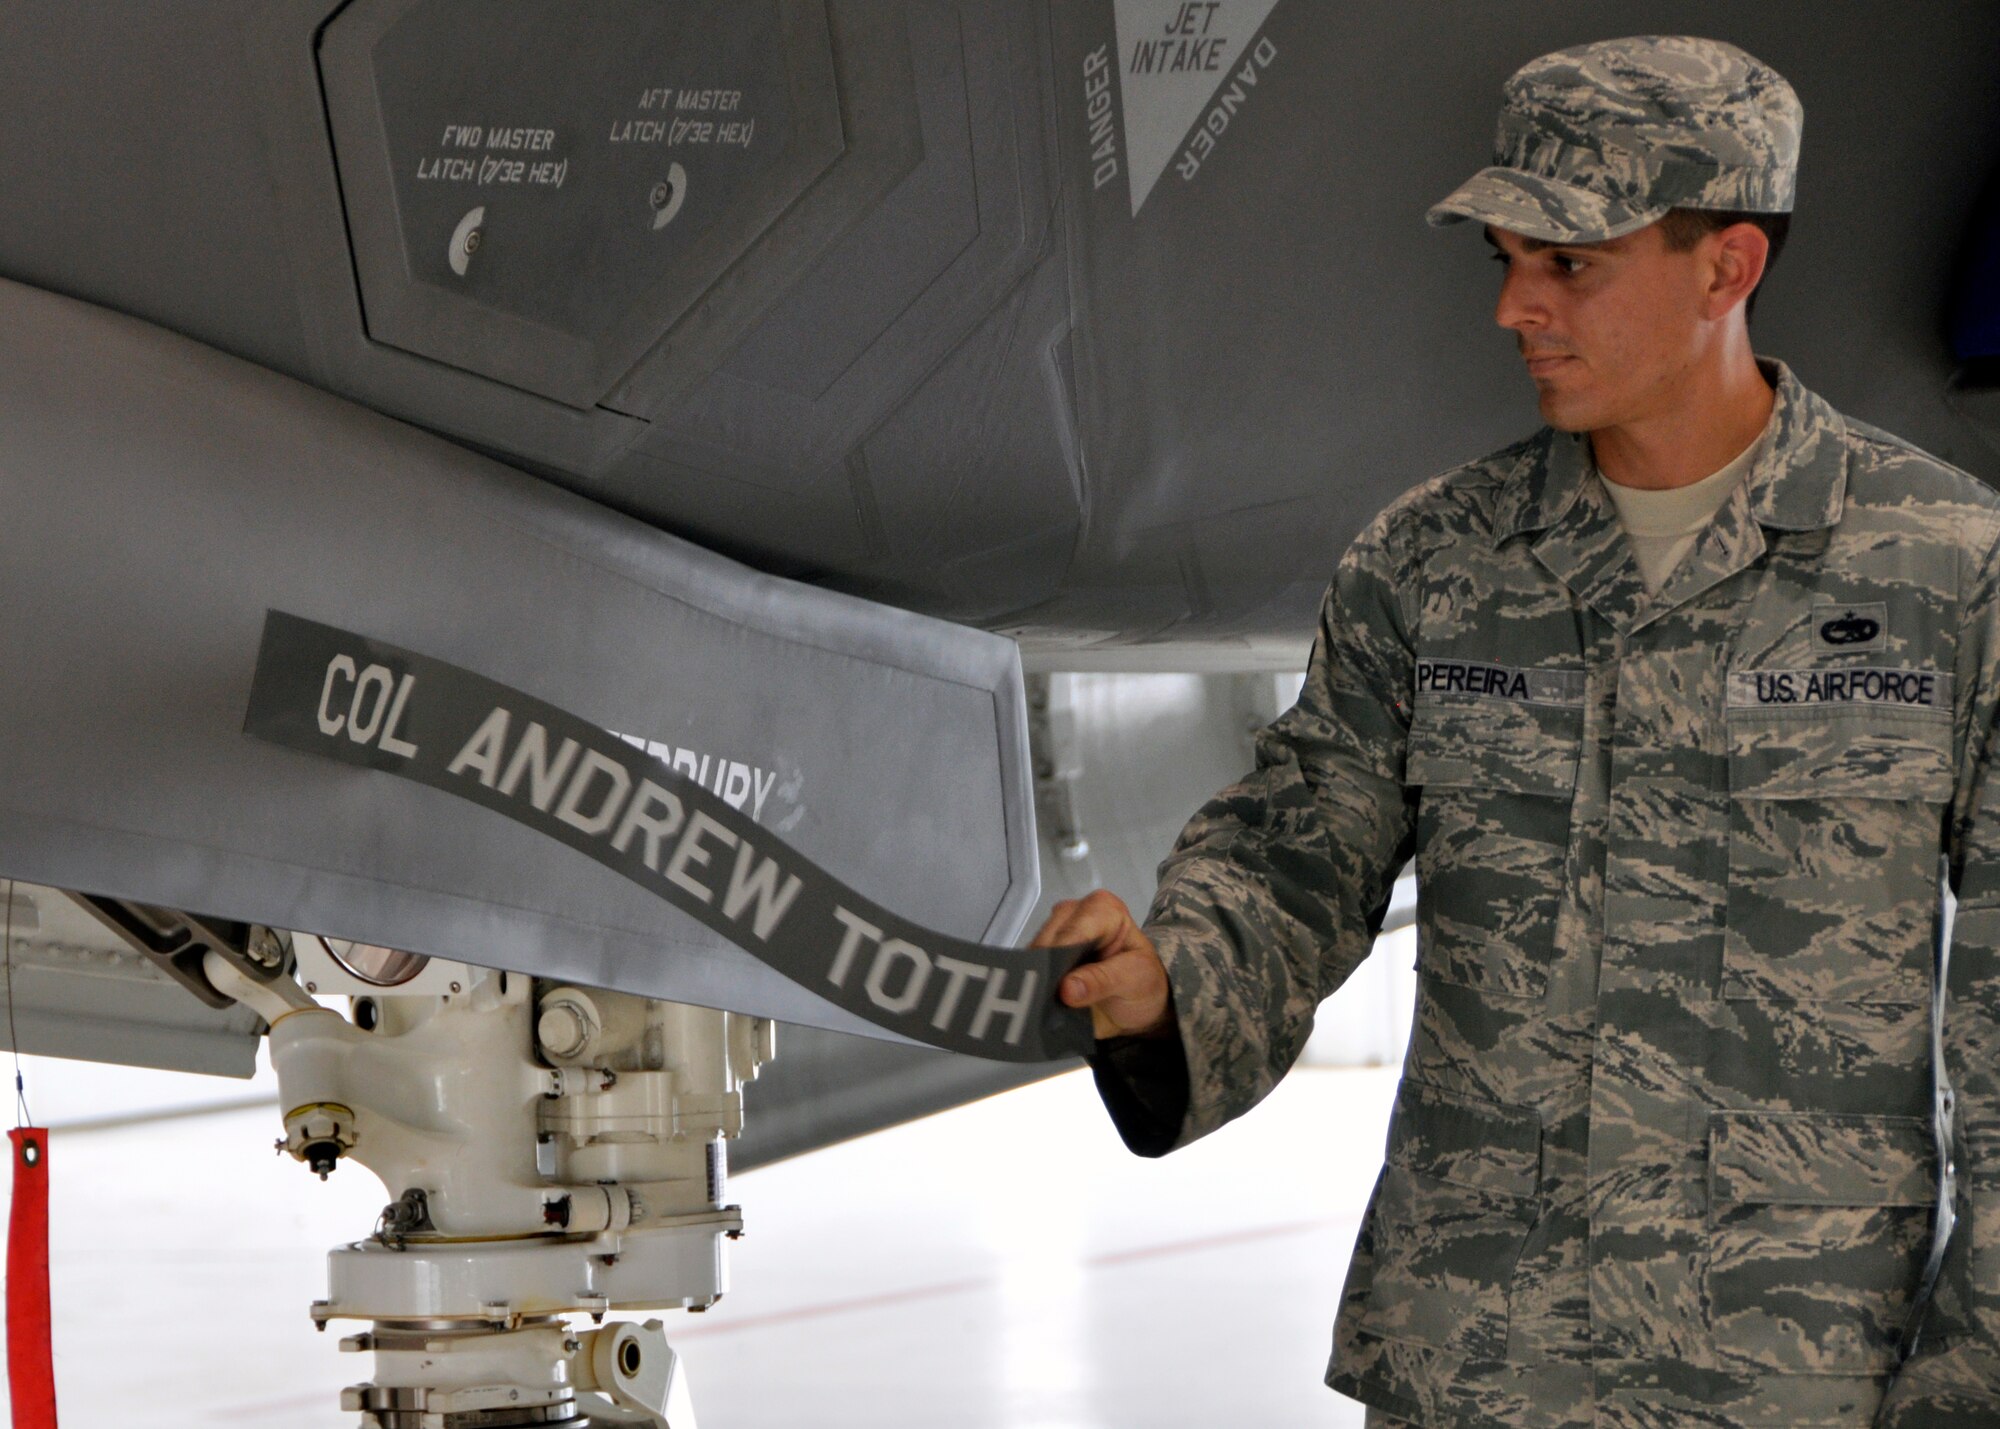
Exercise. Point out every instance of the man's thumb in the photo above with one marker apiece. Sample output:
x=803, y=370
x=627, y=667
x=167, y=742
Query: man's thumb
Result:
x=1088, y=984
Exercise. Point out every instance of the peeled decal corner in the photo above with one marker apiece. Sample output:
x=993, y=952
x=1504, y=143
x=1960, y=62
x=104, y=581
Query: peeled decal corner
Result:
x=1184, y=69
x=342, y=696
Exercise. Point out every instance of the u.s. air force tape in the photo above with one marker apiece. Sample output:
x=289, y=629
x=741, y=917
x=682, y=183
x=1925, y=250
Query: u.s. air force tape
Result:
x=1812, y=689
x=343, y=696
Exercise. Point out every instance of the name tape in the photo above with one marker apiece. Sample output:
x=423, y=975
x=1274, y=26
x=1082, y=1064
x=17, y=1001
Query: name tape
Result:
x=1501, y=682
x=342, y=696
x=1775, y=689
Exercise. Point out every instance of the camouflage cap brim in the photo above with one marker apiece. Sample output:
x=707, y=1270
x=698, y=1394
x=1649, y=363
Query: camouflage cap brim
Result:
x=1597, y=141
x=1538, y=207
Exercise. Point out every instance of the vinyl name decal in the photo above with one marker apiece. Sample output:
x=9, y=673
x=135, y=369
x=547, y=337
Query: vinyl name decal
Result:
x=342, y=696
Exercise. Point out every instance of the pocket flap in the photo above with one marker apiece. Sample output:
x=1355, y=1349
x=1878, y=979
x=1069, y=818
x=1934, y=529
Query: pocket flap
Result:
x=1471, y=742
x=1830, y=752
x=1787, y=1158
x=1467, y=1140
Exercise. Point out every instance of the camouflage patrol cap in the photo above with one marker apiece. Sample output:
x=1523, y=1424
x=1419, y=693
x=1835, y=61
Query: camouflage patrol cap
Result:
x=1602, y=139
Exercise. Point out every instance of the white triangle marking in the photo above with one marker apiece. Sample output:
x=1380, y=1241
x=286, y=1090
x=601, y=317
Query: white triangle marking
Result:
x=1173, y=55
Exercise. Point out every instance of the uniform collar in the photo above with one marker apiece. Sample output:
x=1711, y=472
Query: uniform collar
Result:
x=1799, y=483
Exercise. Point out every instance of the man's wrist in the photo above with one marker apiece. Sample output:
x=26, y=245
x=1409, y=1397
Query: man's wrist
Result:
x=1167, y=1026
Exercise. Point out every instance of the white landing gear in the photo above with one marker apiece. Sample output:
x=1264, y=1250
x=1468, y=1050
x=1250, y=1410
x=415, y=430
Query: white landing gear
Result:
x=550, y=1151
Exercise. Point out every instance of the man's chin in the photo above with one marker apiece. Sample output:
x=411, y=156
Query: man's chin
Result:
x=1564, y=412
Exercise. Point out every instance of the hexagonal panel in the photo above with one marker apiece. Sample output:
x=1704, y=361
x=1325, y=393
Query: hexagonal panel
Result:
x=537, y=192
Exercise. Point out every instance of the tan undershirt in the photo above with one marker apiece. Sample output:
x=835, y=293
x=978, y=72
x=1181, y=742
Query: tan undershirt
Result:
x=1662, y=525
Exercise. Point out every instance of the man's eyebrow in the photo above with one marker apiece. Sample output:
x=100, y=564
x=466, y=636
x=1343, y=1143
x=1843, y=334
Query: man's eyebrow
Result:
x=1527, y=243
x=1542, y=245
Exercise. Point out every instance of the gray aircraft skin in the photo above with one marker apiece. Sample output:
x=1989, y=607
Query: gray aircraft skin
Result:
x=975, y=319
x=1101, y=325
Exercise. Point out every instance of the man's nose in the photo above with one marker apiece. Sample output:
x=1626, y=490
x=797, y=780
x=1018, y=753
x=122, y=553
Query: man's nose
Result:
x=1518, y=309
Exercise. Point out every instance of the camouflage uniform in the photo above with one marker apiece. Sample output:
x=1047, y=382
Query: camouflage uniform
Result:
x=1662, y=1153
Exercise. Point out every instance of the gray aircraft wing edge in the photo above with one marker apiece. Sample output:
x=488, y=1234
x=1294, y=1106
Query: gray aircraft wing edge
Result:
x=163, y=497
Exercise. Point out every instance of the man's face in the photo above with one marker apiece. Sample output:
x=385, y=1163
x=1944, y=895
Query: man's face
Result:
x=1609, y=330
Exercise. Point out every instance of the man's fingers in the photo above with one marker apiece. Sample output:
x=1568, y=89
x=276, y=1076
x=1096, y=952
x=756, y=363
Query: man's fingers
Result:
x=1123, y=983
x=1120, y=975
x=1070, y=922
x=1091, y=983
x=1052, y=933
x=1125, y=993
x=1101, y=921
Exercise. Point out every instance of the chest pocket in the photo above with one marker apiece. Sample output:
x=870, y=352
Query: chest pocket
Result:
x=1836, y=820
x=1493, y=825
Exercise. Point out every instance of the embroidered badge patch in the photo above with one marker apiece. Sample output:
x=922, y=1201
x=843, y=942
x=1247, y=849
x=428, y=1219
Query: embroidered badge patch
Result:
x=1776, y=689
x=1848, y=629
x=1500, y=682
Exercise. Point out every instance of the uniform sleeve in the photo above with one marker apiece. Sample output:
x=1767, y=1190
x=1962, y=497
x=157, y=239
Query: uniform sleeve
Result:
x=1953, y=1380
x=1276, y=888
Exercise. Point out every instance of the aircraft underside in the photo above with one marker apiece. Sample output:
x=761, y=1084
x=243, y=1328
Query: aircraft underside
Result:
x=589, y=531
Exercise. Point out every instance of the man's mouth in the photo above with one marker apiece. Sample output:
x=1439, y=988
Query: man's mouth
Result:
x=1540, y=364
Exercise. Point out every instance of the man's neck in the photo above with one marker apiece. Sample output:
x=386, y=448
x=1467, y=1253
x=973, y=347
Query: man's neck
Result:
x=1719, y=411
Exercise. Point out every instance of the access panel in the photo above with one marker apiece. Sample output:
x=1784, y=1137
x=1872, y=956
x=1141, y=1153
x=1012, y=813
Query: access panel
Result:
x=536, y=192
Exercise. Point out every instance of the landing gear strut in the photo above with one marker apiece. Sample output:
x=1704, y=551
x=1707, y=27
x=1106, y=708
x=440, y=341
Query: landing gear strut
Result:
x=551, y=1152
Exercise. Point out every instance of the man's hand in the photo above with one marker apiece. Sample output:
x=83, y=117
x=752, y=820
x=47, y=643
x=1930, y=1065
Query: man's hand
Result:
x=1124, y=984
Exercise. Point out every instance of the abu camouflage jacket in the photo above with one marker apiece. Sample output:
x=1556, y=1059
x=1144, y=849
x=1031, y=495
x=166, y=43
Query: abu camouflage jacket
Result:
x=1663, y=1149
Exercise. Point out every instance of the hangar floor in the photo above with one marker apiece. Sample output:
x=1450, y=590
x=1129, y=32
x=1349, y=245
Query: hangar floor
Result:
x=1006, y=1264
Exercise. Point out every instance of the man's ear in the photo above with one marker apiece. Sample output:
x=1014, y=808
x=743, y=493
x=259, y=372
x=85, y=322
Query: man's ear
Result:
x=1737, y=255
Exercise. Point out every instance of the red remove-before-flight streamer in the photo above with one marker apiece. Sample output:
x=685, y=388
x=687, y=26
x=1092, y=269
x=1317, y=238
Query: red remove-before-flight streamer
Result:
x=31, y=1371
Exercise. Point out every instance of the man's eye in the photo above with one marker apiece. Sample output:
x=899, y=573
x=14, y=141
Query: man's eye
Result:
x=1568, y=264
x=1497, y=257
